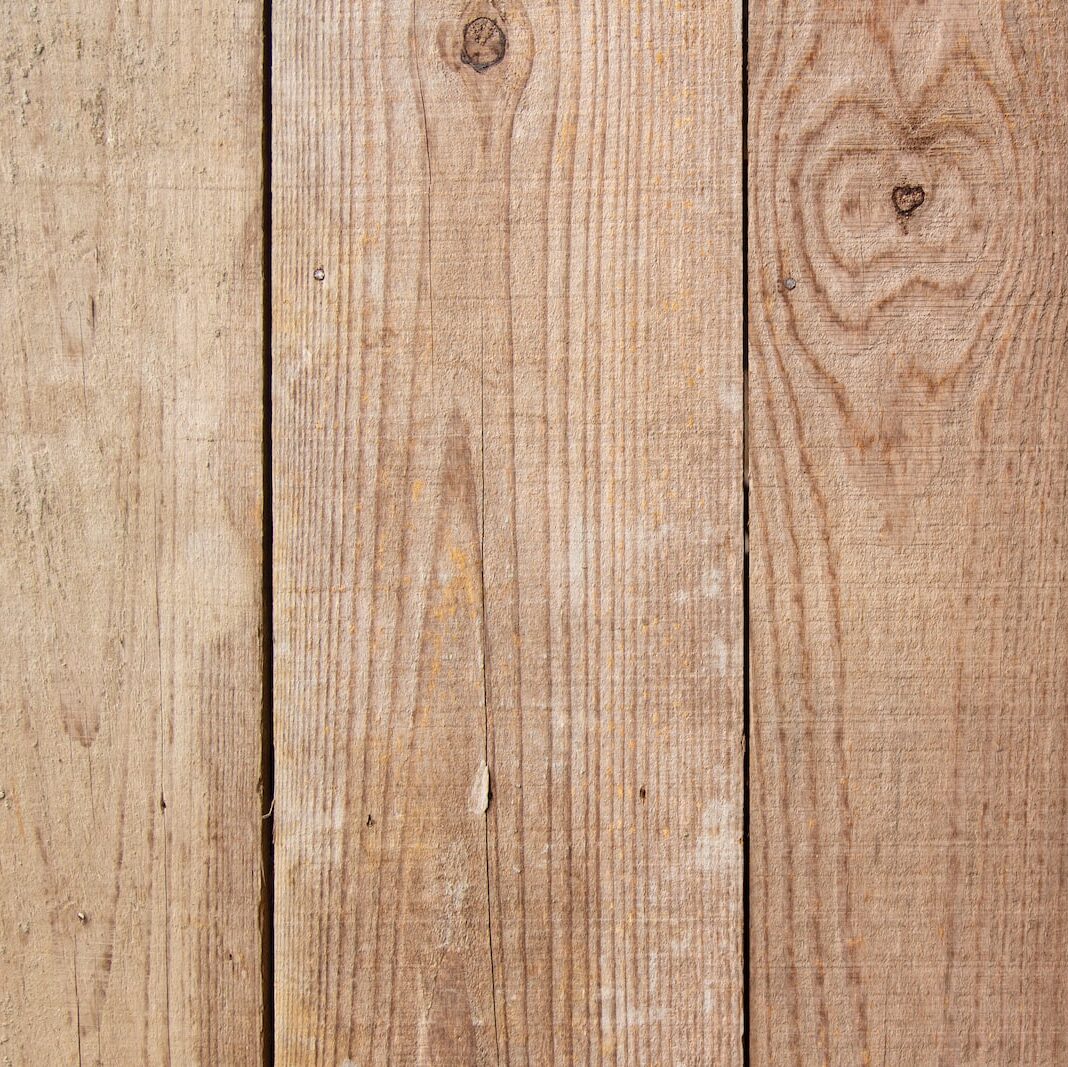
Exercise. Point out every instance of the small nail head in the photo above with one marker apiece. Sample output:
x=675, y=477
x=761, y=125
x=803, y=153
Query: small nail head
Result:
x=319, y=274
x=790, y=284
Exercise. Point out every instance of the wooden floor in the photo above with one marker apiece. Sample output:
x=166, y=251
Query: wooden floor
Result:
x=534, y=533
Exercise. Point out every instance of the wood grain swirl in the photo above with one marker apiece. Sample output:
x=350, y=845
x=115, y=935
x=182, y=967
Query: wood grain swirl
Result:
x=908, y=509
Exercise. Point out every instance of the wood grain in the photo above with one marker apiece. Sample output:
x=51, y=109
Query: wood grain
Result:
x=507, y=412
x=908, y=415
x=130, y=533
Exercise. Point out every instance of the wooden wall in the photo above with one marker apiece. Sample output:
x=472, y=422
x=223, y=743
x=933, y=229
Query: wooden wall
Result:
x=533, y=532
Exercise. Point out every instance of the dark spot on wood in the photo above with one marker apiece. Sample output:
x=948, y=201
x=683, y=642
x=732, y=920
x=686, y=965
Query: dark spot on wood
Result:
x=162, y=803
x=907, y=198
x=370, y=820
x=484, y=44
x=641, y=792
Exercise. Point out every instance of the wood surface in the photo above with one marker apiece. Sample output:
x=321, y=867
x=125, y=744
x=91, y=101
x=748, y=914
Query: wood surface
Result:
x=508, y=518
x=508, y=410
x=131, y=380
x=908, y=430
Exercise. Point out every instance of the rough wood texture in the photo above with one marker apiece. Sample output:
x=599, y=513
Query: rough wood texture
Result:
x=130, y=533
x=507, y=407
x=909, y=423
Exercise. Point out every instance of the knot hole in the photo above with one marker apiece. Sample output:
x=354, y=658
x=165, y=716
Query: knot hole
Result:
x=484, y=44
x=907, y=199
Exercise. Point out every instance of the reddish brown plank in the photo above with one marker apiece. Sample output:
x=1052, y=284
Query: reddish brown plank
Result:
x=908, y=414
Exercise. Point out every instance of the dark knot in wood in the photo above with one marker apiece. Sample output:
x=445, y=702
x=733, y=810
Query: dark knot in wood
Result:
x=907, y=198
x=484, y=44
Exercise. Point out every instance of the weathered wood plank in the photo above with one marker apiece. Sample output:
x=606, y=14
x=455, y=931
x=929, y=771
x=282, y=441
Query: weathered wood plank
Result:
x=909, y=423
x=508, y=533
x=130, y=533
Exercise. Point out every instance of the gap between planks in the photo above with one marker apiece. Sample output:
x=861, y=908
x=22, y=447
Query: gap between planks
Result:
x=745, y=530
x=267, y=911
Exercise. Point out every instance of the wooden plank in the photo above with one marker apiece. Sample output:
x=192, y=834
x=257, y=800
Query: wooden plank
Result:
x=130, y=533
x=507, y=407
x=909, y=424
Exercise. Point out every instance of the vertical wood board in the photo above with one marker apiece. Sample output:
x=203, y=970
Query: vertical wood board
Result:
x=130, y=534
x=908, y=414
x=507, y=413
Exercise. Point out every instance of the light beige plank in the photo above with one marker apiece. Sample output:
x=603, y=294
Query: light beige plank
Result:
x=507, y=405
x=130, y=533
x=909, y=409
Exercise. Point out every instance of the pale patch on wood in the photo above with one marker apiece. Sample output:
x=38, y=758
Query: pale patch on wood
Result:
x=480, y=791
x=718, y=847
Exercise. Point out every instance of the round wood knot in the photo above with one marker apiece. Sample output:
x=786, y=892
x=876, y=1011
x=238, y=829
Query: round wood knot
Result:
x=484, y=44
x=907, y=198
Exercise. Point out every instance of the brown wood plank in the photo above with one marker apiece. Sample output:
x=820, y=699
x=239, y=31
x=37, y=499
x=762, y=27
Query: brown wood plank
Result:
x=507, y=408
x=909, y=423
x=130, y=533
